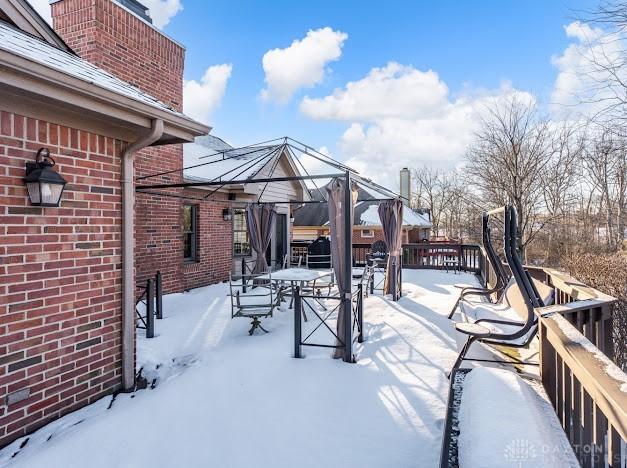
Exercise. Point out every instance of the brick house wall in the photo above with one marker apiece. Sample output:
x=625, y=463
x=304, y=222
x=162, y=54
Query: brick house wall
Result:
x=109, y=36
x=60, y=294
x=358, y=237
x=215, y=243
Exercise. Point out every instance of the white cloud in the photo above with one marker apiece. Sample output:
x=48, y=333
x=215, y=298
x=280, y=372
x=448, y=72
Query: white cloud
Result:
x=162, y=11
x=392, y=91
x=43, y=8
x=583, y=78
x=200, y=99
x=403, y=117
x=302, y=64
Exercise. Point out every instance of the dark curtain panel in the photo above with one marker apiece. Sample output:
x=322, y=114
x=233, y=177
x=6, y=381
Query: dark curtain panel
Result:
x=391, y=215
x=260, y=219
x=335, y=204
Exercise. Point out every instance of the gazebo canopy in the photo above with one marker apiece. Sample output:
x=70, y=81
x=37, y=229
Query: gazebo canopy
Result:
x=333, y=183
x=224, y=167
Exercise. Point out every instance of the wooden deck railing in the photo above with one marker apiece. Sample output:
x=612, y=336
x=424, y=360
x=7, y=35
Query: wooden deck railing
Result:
x=436, y=256
x=439, y=256
x=587, y=390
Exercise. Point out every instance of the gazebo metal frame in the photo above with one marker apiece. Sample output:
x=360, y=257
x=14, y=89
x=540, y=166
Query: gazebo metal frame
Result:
x=270, y=152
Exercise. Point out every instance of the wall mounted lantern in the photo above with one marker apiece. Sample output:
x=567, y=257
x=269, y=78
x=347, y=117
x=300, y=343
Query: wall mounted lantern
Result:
x=227, y=214
x=44, y=184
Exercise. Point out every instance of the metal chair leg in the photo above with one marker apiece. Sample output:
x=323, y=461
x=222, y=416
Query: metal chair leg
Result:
x=450, y=315
x=256, y=323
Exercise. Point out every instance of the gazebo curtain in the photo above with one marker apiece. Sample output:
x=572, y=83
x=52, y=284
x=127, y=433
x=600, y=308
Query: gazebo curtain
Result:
x=261, y=219
x=338, y=235
x=391, y=215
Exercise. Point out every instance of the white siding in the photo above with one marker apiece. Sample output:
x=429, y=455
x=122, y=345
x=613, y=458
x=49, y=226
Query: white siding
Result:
x=279, y=191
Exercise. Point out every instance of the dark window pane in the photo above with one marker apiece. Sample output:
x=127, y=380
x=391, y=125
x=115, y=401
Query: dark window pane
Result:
x=241, y=246
x=189, y=232
x=187, y=246
x=187, y=218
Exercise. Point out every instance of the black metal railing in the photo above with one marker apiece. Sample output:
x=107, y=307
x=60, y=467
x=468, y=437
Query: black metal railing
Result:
x=303, y=302
x=151, y=296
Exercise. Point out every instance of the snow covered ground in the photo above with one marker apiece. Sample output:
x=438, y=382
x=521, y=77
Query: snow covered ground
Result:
x=222, y=398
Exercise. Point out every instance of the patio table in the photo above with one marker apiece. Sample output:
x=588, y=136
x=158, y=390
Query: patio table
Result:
x=296, y=276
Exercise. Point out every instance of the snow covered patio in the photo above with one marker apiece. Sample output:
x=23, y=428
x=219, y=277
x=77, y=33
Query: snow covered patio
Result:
x=225, y=399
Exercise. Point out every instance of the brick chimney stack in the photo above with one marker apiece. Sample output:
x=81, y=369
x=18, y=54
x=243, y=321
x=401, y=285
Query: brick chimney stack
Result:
x=118, y=35
x=406, y=185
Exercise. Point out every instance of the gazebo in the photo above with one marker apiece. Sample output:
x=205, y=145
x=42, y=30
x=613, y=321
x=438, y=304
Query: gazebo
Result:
x=340, y=193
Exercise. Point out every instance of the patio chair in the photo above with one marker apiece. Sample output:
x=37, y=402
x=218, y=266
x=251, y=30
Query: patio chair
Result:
x=291, y=261
x=497, y=265
x=284, y=289
x=452, y=259
x=255, y=304
x=512, y=323
x=379, y=254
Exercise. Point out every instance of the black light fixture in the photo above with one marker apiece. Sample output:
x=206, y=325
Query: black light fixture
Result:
x=44, y=184
x=227, y=214
x=291, y=216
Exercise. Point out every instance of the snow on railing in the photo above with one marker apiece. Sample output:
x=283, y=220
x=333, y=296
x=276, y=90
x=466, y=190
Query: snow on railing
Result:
x=587, y=390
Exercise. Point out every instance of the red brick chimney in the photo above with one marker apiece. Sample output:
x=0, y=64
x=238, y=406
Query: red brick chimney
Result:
x=117, y=35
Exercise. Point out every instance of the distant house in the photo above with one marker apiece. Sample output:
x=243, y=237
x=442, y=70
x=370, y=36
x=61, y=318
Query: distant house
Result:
x=312, y=221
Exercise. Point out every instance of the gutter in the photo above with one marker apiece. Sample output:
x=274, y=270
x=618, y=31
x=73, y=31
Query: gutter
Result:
x=128, y=252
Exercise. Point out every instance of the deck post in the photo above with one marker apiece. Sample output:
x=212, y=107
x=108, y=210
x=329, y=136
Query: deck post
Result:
x=298, y=306
x=159, y=294
x=243, y=275
x=150, y=309
x=348, y=268
x=400, y=274
x=360, y=312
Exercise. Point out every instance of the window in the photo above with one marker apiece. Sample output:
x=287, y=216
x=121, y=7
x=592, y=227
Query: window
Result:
x=190, y=213
x=241, y=245
x=367, y=233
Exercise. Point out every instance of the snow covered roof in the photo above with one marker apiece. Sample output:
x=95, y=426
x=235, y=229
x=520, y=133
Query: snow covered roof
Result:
x=217, y=160
x=370, y=216
x=366, y=213
x=36, y=50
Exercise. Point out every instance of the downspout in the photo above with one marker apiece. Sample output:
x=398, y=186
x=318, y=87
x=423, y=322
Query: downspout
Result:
x=128, y=252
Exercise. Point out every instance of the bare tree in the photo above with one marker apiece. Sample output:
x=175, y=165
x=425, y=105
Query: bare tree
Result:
x=603, y=96
x=434, y=190
x=606, y=164
x=560, y=184
x=455, y=211
x=507, y=160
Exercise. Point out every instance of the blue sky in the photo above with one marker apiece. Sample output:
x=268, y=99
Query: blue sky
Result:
x=399, y=82
x=476, y=44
